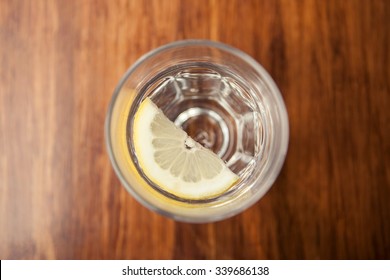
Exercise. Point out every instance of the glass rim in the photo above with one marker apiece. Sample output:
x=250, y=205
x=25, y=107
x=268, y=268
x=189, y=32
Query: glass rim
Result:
x=246, y=58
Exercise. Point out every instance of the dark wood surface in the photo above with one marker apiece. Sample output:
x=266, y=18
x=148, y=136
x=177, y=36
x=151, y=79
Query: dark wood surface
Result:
x=59, y=64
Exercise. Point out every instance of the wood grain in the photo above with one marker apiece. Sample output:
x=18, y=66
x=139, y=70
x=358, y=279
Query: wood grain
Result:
x=59, y=64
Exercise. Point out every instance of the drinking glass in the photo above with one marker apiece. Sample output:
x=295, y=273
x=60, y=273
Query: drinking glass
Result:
x=224, y=100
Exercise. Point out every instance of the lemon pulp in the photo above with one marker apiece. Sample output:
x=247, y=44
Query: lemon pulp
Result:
x=175, y=162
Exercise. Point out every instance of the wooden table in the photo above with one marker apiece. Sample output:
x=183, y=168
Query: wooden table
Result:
x=59, y=64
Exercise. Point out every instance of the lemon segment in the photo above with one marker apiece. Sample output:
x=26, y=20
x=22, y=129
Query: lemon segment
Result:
x=174, y=161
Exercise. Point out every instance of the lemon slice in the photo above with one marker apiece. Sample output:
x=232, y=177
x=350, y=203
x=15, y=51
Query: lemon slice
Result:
x=174, y=161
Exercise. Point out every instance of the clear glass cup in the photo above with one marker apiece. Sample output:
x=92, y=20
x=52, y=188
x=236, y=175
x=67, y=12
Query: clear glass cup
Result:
x=224, y=100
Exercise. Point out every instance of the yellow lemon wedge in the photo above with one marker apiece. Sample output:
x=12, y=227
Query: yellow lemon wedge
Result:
x=174, y=161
